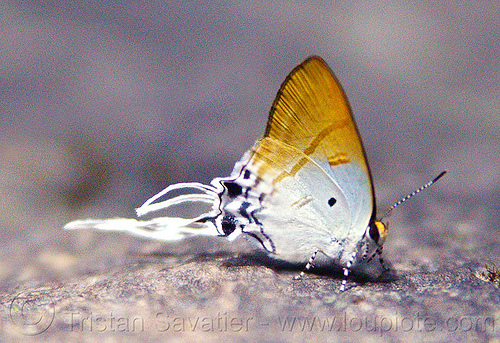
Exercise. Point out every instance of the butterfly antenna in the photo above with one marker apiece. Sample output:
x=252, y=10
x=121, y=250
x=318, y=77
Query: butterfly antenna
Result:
x=415, y=192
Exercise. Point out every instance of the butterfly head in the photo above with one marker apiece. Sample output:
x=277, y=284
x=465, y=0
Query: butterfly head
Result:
x=374, y=239
x=377, y=232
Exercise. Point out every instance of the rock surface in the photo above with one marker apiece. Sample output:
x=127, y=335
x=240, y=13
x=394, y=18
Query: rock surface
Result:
x=210, y=290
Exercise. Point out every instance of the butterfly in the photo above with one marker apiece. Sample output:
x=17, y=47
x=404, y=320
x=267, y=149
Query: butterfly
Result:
x=303, y=189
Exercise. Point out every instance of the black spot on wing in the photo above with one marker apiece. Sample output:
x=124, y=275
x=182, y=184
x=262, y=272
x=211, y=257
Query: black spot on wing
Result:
x=246, y=175
x=233, y=189
x=228, y=224
x=243, y=210
x=332, y=201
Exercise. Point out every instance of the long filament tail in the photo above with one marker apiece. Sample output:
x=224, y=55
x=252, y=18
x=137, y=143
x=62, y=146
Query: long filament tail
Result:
x=209, y=195
x=162, y=228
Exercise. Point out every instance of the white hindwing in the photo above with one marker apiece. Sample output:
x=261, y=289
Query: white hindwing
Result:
x=290, y=204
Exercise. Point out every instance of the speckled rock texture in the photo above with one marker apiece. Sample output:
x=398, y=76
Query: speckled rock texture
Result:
x=117, y=288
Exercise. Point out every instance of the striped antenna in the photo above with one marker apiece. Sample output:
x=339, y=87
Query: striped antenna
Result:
x=415, y=192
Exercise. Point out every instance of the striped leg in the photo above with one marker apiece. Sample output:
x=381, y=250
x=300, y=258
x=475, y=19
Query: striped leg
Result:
x=347, y=268
x=308, y=266
x=346, y=274
x=381, y=259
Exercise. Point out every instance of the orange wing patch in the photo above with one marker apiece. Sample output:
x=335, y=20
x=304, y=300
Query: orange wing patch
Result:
x=311, y=114
x=337, y=159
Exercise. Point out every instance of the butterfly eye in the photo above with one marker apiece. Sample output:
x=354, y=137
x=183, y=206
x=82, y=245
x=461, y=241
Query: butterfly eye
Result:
x=374, y=234
x=378, y=231
x=332, y=201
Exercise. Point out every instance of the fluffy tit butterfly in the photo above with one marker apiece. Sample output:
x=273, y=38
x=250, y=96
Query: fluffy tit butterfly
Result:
x=303, y=189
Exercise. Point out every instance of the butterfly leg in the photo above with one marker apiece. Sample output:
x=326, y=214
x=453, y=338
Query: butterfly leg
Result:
x=344, y=280
x=347, y=269
x=308, y=266
x=381, y=259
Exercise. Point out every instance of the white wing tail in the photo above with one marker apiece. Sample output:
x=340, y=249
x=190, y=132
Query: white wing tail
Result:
x=161, y=228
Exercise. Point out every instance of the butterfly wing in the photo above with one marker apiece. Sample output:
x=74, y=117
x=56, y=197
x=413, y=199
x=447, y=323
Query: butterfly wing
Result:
x=293, y=203
x=312, y=114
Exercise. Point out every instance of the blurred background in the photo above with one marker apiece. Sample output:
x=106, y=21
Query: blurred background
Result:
x=105, y=103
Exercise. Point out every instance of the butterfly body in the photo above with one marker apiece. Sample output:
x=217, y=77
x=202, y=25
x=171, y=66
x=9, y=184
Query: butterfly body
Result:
x=303, y=189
